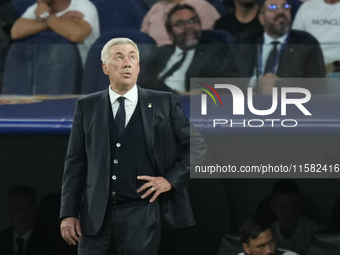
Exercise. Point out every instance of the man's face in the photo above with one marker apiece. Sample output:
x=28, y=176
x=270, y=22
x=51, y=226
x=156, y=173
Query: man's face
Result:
x=287, y=210
x=186, y=29
x=263, y=244
x=22, y=211
x=122, y=66
x=275, y=21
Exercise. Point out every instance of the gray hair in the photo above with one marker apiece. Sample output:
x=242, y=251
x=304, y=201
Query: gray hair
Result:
x=116, y=41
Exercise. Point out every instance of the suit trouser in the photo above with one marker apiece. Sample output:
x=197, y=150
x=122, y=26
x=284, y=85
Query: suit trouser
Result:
x=126, y=231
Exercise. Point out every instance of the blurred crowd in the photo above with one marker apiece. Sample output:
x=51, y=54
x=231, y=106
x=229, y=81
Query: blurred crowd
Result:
x=53, y=46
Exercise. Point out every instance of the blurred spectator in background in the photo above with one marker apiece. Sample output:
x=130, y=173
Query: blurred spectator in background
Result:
x=257, y=239
x=333, y=69
x=291, y=230
x=7, y=18
x=334, y=221
x=76, y=20
x=277, y=52
x=243, y=18
x=21, y=238
x=321, y=19
x=171, y=66
x=153, y=23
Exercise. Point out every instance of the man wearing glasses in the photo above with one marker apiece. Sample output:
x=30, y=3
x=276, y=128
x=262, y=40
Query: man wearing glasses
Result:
x=274, y=52
x=171, y=67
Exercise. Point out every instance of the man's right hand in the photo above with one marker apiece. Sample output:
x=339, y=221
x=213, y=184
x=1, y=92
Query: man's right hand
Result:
x=267, y=82
x=70, y=230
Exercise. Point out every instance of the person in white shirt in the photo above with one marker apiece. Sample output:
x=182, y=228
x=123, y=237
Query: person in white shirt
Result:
x=76, y=20
x=321, y=19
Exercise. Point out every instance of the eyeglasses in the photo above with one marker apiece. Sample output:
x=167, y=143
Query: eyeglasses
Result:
x=182, y=23
x=274, y=7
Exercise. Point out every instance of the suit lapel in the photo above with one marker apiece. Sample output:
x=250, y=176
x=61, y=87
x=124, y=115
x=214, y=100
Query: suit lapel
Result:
x=146, y=105
x=282, y=70
x=194, y=68
x=101, y=113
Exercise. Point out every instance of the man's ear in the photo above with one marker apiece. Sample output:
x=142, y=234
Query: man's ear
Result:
x=104, y=68
x=246, y=248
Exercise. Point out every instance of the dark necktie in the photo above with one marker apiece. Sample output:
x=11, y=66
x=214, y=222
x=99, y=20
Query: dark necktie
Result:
x=20, y=244
x=120, y=116
x=174, y=67
x=271, y=58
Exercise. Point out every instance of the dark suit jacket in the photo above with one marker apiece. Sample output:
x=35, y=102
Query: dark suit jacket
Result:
x=33, y=246
x=85, y=188
x=301, y=58
x=207, y=62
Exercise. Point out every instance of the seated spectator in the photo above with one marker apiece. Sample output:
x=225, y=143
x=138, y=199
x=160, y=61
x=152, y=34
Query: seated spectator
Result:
x=171, y=66
x=22, y=237
x=275, y=52
x=153, y=23
x=243, y=18
x=334, y=69
x=291, y=230
x=321, y=19
x=257, y=239
x=76, y=20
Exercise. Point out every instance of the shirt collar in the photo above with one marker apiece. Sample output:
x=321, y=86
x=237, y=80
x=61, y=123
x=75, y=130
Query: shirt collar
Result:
x=268, y=39
x=25, y=236
x=179, y=51
x=131, y=95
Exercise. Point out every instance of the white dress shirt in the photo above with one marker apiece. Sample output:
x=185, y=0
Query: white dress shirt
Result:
x=267, y=47
x=176, y=81
x=131, y=100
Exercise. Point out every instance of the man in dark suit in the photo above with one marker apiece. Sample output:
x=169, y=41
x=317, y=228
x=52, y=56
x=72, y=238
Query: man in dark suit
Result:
x=274, y=52
x=22, y=238
x=191, y=56
x=127, y=164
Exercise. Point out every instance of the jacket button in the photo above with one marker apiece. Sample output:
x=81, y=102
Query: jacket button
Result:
x=114, y=177
x=118, y=145
x=115, y=161
x=113, y=193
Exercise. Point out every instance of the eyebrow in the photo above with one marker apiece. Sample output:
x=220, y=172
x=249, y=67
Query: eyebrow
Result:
x=121, y=53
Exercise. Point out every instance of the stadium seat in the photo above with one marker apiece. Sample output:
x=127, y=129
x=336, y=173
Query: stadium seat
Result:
x=217, y=36
x=20, y=6
x=118, y=14
x=45, y=63
x=325, y=242
x=230, y=245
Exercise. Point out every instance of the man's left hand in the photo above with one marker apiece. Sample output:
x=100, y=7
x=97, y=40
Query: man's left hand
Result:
x=156, y=185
